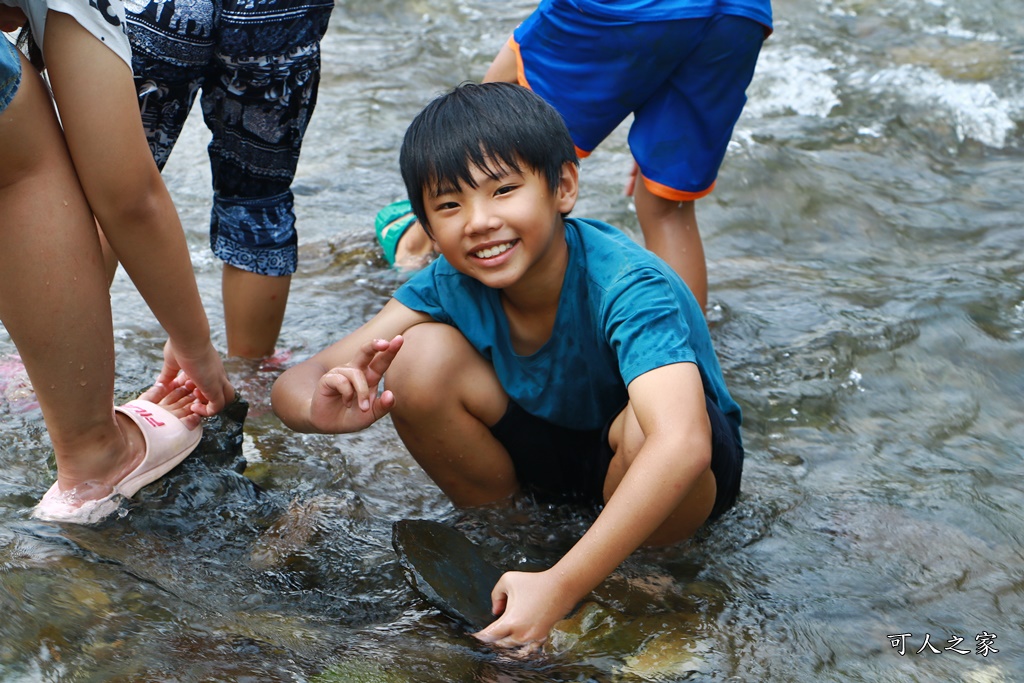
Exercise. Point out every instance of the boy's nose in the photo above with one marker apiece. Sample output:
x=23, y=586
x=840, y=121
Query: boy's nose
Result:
x=481, y=219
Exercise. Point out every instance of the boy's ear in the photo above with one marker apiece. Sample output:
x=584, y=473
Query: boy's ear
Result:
x=568, y=187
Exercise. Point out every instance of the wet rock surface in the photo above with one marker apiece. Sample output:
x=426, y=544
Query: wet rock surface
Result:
x=221, y=444
x=447, y=569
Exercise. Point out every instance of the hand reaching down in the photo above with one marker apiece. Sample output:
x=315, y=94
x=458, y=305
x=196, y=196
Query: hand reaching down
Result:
x=530, y=604
x=209, y=380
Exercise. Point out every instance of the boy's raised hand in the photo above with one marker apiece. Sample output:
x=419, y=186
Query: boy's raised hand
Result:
x=530, y=604
x=346, y=399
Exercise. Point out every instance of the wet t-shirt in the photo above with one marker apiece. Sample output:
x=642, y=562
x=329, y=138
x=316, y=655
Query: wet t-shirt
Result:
x=104, y=19
x=622, y=312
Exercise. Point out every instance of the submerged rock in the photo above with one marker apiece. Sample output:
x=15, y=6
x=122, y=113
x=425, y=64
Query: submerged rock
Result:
x=288, y=538
x=654, y=647
x=447, y=569
x=356, y=670
x=221, y=445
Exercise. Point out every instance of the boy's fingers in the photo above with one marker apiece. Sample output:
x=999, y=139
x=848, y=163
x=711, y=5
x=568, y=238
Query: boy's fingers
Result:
x=339, y=382
x=499, y=635
x=489, y=634
x=382, y=360
x=365, y=354
x=362, y=389
x=368, y=352
x=383, y=405
x=349, y=384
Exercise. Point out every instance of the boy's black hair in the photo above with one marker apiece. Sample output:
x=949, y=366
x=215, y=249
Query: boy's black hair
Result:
x=489, y=126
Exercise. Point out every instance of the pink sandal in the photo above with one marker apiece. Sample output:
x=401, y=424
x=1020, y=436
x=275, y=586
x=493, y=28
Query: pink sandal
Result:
x=168, y=442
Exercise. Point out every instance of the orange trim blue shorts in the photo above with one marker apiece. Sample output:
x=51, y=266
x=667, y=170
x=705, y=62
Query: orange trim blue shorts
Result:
x=683, y=80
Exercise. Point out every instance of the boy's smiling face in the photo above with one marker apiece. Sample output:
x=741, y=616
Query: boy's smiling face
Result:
x=506, y=230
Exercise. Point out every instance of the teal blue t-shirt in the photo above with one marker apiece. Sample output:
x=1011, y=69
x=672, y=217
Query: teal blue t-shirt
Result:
x=622, y=312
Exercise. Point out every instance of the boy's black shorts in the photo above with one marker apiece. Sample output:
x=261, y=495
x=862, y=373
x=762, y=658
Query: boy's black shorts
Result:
x=557, y=464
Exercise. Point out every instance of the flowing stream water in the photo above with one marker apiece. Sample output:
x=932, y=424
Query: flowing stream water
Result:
x=867, y=299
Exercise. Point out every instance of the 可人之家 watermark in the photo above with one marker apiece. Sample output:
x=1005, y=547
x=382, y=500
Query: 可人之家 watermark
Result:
x=983, y=644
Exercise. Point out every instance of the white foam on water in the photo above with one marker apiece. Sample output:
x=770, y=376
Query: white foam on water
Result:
x=792, y=80
x=955, y=29
x=1017, y=321
x=977, y=112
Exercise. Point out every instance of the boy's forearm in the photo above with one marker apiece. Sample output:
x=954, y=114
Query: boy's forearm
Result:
x=292, y=396
x=651, y=490
x=293, y=392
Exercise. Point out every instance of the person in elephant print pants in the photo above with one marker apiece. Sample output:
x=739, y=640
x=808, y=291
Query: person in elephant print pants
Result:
x=255, y=65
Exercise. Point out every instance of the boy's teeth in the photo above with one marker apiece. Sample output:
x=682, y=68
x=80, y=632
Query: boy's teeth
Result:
x=491, y=252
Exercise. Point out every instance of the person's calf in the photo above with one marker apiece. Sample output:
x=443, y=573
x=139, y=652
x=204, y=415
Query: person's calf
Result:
x=670, y=231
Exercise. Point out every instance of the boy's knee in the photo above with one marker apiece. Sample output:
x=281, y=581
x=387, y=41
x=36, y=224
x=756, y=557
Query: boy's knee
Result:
x=426, y=363
x=436, y=368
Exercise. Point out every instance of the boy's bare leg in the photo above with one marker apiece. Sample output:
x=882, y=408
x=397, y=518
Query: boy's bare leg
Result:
x=254, y=308
x=670, y=231
x=446, y=398
x=54, y=300
x=625, y=438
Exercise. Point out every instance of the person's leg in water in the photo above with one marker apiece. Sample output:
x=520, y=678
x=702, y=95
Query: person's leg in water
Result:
x=258, y=130
x=55, y=304
x=705, y=92
x=670, y=231
x=254, y=307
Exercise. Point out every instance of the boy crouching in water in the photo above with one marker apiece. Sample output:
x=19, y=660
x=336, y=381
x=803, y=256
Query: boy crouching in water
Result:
x=539, y=353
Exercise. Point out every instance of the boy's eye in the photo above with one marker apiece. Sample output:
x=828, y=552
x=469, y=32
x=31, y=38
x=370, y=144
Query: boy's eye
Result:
x=443, y=206
x=505, y=189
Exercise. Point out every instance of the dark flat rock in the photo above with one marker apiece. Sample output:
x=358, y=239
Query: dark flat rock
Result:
x=447, y=569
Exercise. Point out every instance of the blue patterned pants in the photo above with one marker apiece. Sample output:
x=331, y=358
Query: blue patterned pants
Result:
x=256, y=67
